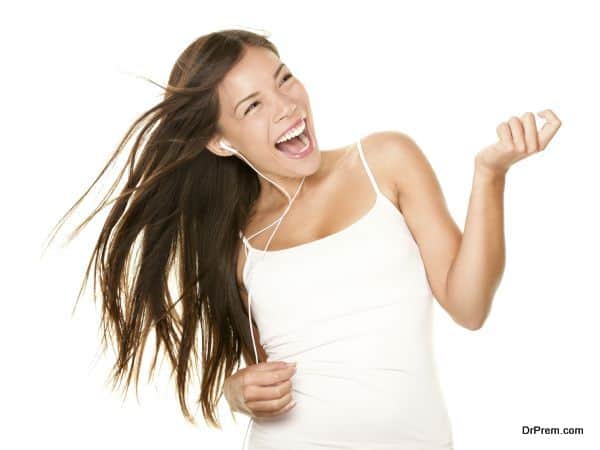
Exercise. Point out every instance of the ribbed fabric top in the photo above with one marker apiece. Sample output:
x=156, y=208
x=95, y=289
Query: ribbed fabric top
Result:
x=354, y=310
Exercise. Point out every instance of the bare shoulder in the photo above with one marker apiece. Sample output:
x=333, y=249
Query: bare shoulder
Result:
x=393, y=156
x=423, y=207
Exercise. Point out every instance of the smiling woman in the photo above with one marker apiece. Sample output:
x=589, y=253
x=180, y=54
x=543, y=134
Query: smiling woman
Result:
x=264, y=107
x=330, y=296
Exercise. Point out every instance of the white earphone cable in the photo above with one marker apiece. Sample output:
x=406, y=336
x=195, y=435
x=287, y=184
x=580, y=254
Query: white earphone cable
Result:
x=264, y=251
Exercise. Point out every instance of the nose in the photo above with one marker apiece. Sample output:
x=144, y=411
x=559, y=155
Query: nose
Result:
x=288, y=109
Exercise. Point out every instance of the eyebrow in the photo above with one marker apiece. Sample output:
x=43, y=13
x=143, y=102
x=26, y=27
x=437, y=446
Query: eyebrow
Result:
x=256, y=93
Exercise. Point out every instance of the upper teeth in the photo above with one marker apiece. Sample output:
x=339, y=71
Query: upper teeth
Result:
x=293, y=133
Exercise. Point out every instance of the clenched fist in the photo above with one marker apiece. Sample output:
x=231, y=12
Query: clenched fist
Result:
x=261, y=390
x=518, y=139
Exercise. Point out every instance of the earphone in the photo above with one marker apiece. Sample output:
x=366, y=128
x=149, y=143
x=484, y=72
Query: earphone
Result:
x=227, y=147
x=278, y=222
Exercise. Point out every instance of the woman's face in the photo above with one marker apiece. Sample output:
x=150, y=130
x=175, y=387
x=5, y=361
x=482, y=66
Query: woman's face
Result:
x=252, y=124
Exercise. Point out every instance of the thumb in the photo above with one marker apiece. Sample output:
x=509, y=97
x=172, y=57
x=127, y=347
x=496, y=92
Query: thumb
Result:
x=271, y=365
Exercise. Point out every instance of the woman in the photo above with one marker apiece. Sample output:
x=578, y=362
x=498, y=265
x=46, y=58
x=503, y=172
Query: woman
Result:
x=343, y=286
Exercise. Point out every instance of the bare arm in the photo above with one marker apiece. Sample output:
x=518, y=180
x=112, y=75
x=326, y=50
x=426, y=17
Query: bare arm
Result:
x=463, y=270
x=479, y=264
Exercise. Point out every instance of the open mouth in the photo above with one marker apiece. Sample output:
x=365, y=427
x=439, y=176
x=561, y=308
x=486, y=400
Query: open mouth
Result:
x=298, y=144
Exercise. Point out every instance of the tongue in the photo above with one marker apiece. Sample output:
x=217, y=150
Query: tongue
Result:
x=294, y=145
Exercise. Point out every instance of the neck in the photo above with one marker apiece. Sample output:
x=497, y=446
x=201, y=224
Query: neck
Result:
x=272, y=197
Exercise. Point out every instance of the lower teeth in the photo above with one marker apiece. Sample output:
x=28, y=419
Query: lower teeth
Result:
x=304, y=138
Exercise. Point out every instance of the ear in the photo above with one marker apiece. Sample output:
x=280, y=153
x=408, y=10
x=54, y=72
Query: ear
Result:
x=214, y=146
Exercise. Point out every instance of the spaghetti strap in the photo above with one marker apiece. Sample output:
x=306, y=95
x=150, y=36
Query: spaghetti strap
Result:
x=245, y=241
x=369, y=173
x=311, y=295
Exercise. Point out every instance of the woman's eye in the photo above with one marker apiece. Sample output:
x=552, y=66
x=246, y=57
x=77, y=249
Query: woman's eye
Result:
x=287, y=75
x=250, y=107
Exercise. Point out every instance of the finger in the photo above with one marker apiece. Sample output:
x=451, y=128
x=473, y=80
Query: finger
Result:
x=265, y=407
x=276, y=390
x=531, y=132
x=269, y=377
x=505, y=135
x=549, y=129
x=282, y=410
x=271, y=365
x=273, y=392
x=518, y=134
x=268, y=393
x=282, y=375
x=550, y=116
x=287, y=379
x=260, y=392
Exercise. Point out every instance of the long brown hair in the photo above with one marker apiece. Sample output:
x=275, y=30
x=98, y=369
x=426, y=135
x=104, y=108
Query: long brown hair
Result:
x=182, y=207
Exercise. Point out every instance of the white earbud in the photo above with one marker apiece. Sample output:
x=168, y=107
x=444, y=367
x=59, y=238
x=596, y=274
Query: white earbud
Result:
x=227, y=147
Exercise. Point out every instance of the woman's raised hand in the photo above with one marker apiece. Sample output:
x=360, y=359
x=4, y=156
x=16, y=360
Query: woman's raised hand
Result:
x=518, y=139
x=261, y=390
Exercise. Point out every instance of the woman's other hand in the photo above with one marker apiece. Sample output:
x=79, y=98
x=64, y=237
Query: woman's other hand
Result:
x=261, y=390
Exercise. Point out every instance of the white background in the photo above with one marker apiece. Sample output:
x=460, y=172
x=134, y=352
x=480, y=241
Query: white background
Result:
x=446, y=73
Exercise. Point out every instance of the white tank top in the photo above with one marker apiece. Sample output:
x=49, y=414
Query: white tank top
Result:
x=354, y=310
